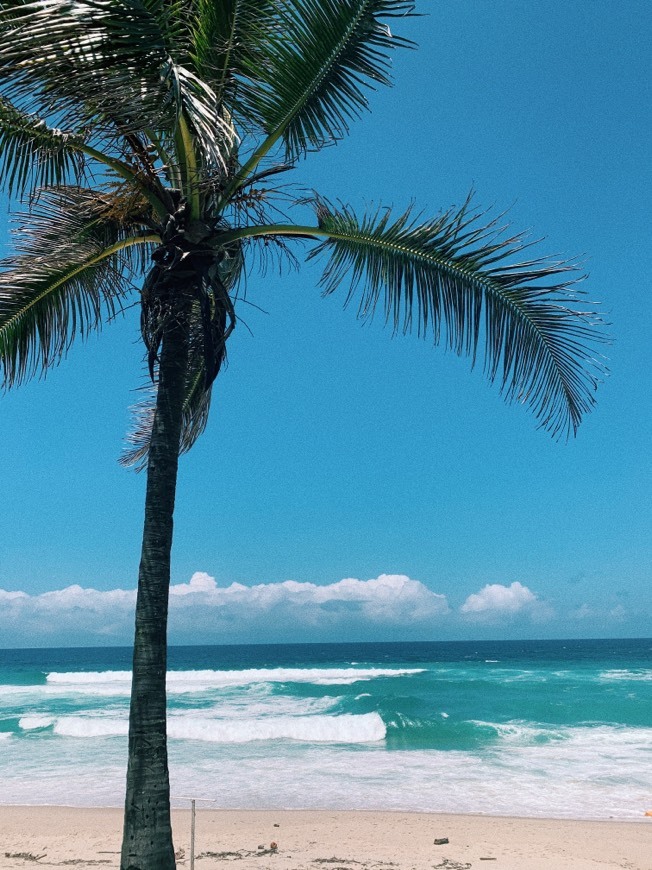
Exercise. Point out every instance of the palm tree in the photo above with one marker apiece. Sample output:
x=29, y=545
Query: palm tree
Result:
x=146, y=140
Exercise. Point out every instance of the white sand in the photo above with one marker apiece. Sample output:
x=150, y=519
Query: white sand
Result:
x=325, y=840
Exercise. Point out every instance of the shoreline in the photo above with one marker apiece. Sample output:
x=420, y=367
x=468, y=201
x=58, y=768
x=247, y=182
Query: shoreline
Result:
x=203, y=806
x=331, y=840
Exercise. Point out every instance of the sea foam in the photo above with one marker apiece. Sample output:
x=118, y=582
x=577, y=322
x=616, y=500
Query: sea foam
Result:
x=621, y=674
x=346, y=728
x=366, y=728
x=205, y=680
x=30, y=723
x=87, y=726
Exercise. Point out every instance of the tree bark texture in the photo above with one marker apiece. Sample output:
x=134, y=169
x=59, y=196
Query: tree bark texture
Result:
x=147, y=838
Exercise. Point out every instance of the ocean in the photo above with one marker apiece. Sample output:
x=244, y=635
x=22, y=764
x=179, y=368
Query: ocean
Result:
x=530, y=728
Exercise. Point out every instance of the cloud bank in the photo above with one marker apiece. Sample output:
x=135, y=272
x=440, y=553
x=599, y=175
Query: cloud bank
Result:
x=203, y=612
x=387, y=607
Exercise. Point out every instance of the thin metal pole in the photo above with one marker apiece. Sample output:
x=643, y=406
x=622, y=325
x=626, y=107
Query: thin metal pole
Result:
x=192, y=835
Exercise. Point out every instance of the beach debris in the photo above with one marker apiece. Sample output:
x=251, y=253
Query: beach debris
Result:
x=276, y=825
x=488, y=859
x=262, y=846
x=83, y=861
x=345, y=863
x=648, y=812
x=447, y=864
x=335, y=861
x=25, y=856
x=273, y=847
x=273, y=850
x=441, y=841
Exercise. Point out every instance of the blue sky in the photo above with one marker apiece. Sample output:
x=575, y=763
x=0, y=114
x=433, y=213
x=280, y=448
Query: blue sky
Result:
x=338, y=453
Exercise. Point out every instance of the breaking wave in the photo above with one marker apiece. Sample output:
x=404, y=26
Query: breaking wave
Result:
x=205, y=680
x=366, y=728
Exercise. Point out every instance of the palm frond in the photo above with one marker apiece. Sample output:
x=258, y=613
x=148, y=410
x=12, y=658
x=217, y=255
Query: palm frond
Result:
x=116, y=67
x=94, y=60
x=315, y=78
x=104, y=64
x=196, y=407
x=458, y=278
x=196, y=404
x=70, y=273
x=230, y=40
x=32, y=154
x=199, y=104
x=136, y=448
x=71, y=215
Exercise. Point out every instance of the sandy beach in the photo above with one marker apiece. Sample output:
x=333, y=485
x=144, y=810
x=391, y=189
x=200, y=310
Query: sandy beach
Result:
x=331, y=840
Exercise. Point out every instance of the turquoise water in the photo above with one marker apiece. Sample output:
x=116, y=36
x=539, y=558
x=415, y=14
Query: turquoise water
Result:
x=555, y=728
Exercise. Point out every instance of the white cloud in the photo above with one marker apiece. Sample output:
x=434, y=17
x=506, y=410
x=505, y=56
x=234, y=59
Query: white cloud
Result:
x=199, y=582
x=11, y=596
x=495, y=601
x=202, y=611
x=291, y=606
x=74, y=615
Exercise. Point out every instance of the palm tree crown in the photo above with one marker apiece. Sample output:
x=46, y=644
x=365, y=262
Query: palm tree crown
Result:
x=147, y=140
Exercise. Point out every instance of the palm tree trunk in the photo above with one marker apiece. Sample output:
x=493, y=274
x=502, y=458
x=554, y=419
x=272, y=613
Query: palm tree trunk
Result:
x=147, y=837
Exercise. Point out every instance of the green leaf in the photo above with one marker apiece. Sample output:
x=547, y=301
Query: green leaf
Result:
x=104, y=64
x=316, y=77
x=457, y=278
x=33, y=154
x=70, y=273
x=230, y=40
x=196, y=102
